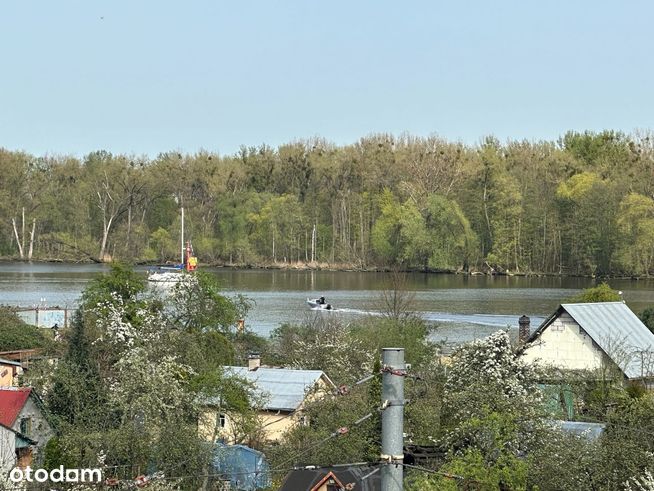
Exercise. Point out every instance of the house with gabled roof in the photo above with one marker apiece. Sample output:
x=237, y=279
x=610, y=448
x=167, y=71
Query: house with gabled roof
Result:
x=363, y=478
x=9, y=372
x=16, y=450
x=593, y=336
x=21, y=411
x=283, y=392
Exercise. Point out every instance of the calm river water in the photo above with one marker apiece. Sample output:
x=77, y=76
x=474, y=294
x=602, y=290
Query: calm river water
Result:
x=465, y=307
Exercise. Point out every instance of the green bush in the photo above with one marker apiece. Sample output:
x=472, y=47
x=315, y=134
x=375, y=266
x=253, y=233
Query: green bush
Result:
x=601, y=293
x=16, y=334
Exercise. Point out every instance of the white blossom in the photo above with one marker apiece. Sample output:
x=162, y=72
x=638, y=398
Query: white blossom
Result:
x=641, y=483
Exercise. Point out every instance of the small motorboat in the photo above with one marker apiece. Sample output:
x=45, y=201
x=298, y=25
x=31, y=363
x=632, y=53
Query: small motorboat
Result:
x=319, y=304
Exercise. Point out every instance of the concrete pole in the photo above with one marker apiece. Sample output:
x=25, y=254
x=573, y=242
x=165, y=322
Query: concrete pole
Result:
x=392, y=419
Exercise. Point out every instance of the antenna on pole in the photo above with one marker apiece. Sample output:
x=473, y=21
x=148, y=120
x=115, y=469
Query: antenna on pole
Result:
x=182, y=241
x=392, y=452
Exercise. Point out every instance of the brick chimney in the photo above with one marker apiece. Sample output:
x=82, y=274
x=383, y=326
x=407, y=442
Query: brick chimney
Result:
x=523, y=329
x=254, y=361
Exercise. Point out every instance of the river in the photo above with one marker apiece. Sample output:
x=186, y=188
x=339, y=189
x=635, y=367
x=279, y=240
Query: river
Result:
x=464, y=307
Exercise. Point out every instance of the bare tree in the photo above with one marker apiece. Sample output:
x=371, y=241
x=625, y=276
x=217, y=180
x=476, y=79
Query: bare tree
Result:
x=398, y=301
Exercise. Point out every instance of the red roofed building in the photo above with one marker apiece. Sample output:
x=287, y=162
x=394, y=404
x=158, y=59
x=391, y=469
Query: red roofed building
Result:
x=21, y=411
x=12, y=401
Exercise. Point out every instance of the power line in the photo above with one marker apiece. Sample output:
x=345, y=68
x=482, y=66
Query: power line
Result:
x=343, y=430
x=439, y=473
x=259, y=471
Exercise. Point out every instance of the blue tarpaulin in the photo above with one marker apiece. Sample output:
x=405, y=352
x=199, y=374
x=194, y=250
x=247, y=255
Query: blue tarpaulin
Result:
x=246, y=468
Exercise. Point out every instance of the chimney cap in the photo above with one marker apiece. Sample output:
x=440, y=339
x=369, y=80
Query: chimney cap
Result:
x=524, y=318
x=254, y=361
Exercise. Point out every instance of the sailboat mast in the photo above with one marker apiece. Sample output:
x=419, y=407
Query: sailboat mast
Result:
x=182, y=240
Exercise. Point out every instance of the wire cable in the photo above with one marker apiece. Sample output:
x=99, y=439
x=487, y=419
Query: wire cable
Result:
x=343, y=430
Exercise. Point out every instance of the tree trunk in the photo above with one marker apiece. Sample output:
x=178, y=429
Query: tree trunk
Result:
x=543, y=266
x=129, y=228
x=22, y=242
x=313, y=243
x=488, y=223
x=20, y=246
x=362, y=238
x=105, y=237
x=31, y=249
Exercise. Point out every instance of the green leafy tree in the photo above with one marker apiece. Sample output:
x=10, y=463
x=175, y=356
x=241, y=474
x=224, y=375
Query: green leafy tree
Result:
x=399, y=235
x=636, y=225
x=164, y=245
x=386, y=233
x=234, y=226
x=326, y=345
x=15, y=334
x=453, y=242
x=472, y=471
x=647, y=316
x=600, y=293
x=588, y=208
x=627, y=443
x=197, y=304
x=605, y=152
x=492, y=201
x=280, y=228
x=491, y=414
x=129, y=384
x=565, y=462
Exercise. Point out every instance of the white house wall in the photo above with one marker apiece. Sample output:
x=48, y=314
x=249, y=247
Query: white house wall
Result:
x=41, y=431
x=563, y=345
x=7, y=451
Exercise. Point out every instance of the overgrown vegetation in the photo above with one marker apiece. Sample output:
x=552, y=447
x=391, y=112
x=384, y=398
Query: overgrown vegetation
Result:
x=600, y=293
x=16, y=335
x=484, y=413
x=127, y=392
x=580, y=205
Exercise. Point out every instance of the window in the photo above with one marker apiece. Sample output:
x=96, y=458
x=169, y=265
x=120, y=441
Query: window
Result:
x=222, y=420
x=26, y=426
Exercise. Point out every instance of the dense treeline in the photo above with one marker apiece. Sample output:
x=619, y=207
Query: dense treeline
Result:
x=581, y=205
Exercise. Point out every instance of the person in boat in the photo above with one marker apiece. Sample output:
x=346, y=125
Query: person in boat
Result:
x=321, y=301
x=328, y=307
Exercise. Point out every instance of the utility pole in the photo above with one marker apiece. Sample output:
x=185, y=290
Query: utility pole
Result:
x=182, y=237
x=392, y=420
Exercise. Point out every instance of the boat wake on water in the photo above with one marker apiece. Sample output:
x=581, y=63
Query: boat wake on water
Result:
x=493, y=320
x=496, y=320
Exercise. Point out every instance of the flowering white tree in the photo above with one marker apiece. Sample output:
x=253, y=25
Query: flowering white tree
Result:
x=490, y=412
x=489, y=367
x=131, y=378
x=641, y=483
x=326, y=345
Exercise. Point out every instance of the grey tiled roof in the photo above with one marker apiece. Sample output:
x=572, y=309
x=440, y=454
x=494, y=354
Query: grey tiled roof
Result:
x=617, y=331
x=283, y=388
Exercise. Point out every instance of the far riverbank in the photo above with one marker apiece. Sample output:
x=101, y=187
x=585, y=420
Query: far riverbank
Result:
x=346, y=267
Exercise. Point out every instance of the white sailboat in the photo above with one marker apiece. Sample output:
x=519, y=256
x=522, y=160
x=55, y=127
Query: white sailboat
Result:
x=172, y=274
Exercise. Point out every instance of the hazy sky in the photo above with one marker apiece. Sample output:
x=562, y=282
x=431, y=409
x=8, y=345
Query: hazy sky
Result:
x=146, y=76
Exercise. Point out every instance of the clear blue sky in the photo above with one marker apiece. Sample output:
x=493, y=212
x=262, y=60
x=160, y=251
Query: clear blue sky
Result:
x=146, y=76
